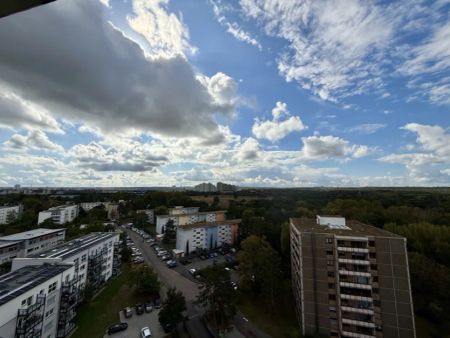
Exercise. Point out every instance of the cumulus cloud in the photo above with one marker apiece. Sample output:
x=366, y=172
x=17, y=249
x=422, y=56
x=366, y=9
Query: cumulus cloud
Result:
x=331, y=147
x=35, y=139
x=275, y=129
x=113, y=85
x=165, y=33
x=247, y=150
x=17, y=113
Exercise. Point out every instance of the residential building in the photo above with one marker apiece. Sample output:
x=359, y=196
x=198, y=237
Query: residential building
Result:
x=206, y=235
x=223, y=187
x=350, y=279
x=38, y=301
x=86, y=206
x=9, y=214
x=59, y=215
x=150, y=214
x=185, y=216
x=112, y=210
x=31, y=242
x=96, y=257
x=205, y=187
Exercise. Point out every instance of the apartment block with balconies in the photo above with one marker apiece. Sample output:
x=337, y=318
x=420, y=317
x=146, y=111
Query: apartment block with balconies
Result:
x=350, y=279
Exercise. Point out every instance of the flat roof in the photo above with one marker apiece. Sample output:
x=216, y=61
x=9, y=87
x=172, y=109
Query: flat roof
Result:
x=8, y=206
x=195, y=213
x=61, y=207
x=76, y=245
x=16, y=283
x=30, y=234
x=356, y=228
x=209, y=224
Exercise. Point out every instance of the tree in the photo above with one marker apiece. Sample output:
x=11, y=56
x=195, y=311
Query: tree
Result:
x=145, y=280
x=170, y=232
x=140, y=220
x=259, y=266
x=172, y=311
x=218, y=297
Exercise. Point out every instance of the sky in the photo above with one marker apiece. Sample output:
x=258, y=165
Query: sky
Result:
x=274, y=93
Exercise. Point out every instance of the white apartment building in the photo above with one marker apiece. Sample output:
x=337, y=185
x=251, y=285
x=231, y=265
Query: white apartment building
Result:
x=35, y=301
x=150, y=214
x=186, y=216
x=86, y=206
x=28, y=243
x=205, y=187
x=206, y=235
x=9, y=214
x=95, y=257
x=59, y=215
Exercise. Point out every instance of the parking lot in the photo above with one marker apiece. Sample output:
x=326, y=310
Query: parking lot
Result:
x=137, y=322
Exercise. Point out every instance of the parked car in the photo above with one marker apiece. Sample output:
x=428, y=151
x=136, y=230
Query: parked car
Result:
x=203, y=257
x=148, y=306
x=157, y=303
x=145, y=332
x=127, y=312
x=162, y=253
x=192, y=271
x=234, y=285
x=184, y=261
x=117, y=328
x=165, y=257
x=139, y=309
x=171, y=263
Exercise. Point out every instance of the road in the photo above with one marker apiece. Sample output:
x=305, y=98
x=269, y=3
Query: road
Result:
x=171, y=278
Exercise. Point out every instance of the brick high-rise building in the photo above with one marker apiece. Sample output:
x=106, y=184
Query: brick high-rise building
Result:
x=350, y=279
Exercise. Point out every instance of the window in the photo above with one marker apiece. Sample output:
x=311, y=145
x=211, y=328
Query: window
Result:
x=373, y=266
x=24, y=302
x=83, y=258
x=372, y=255
x=330, y=285
x=375, y=279
x=329, y=240
x=330, y=274
x=52, y=287
x=371, y=243
x=330, y=262
x=332, y=297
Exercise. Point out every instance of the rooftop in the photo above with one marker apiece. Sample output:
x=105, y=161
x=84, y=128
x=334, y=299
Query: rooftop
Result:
x=30, y=234
x=61, y=207
x=355, y=228
x=195, y=213
x=75, y=246
x=15, y=283
x=8, y=206
x=209, y=224
x=4, y=244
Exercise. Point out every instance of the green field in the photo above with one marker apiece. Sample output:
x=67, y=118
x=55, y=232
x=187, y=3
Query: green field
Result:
x=98, y=314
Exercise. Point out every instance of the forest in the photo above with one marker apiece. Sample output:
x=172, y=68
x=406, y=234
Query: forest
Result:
x=422, y=215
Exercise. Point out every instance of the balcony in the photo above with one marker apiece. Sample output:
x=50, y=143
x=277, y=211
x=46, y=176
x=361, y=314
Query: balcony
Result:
x=355, y=297
x=345, y=272
x=356, y=335
x=353, y=261
x=355, y=285
x=351, y=249
x=358, y=323
x=357, y=310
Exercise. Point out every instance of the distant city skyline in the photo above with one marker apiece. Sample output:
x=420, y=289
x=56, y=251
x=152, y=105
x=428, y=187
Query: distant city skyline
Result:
x=282, y=93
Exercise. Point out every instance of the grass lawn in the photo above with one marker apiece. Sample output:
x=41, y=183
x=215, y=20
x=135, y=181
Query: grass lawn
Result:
x=94, y=317
x=279, y=321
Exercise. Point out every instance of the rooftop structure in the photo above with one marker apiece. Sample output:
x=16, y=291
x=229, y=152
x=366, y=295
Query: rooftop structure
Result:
x=31, y=234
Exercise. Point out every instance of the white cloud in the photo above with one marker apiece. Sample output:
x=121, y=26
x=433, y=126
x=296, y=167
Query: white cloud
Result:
x=232, y=27
x=113, y=85
x=331, y=147
x=248, y=150
x=17, y=113
x=35, y=139
x=165, y=33
x=366, y=128
x=334, y=46
x=276, y=129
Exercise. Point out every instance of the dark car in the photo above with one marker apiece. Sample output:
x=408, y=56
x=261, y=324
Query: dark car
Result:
x=139, y=309
x=148, y=306
x=127, y=312
x=168, y=328
x=117, y=328
x=184, y=261
x=157, y=303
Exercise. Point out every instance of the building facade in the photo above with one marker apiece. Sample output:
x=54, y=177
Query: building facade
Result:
x=206, y=235
x=205, y=187
x=95, y=257
x=186, y=216
x=9, y=214
x=35, y=301
x=350, y=279
x=59, y=215
x=28, y=243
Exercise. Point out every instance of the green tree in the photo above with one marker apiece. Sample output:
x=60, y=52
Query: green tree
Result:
x=218, y=297
x=259, y=266
x=170, y=232
x=140, y=220
x=172, y=311
x=145, y=280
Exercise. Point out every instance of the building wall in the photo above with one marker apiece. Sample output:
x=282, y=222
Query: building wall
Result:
x=8, y=311
x=59, y=215
x=10, y=214
x=8, y=253
x=40, y=244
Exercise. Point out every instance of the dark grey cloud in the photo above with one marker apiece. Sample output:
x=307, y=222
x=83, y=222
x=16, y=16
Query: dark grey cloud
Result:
x=66, y=57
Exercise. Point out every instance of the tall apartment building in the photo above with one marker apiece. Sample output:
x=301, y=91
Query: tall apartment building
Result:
x=38, y=301
x=205, y=187
x=223, y=187
x=96, y=257
x=31, y=242
x=59, y=215
x=350, y=279
x=185, y=216
x=206, y=235
x=9, y=214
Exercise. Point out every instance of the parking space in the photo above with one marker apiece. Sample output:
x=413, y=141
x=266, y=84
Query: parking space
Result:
x=137, y=322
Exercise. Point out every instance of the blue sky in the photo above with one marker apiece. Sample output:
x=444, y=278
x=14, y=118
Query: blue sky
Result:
x=275, y=93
